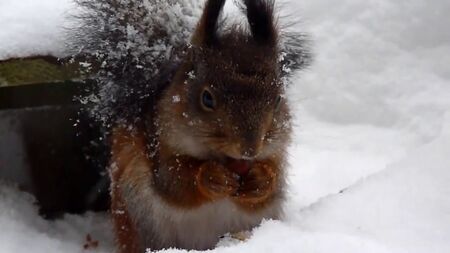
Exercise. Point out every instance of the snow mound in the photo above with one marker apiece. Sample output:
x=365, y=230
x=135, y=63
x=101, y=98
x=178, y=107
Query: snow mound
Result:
x=23, y=230
x=31, y=27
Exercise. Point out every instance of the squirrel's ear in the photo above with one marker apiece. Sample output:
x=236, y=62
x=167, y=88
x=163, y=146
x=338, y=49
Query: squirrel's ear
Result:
x=206, y=31
x=260, y=15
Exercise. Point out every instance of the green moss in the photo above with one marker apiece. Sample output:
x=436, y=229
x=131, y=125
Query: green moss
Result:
x=36, y=70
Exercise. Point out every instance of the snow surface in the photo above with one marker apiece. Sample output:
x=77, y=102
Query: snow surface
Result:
x=370, y=162
x=30, y=27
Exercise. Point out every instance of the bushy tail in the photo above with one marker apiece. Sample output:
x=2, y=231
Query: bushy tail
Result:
x=134, y=44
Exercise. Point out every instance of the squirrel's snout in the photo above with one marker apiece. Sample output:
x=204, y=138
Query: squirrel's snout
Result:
x=251, y=146
x=244, y=150
x=238, y=153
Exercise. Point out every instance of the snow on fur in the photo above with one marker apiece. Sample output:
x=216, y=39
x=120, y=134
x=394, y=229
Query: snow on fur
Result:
x=134, y=42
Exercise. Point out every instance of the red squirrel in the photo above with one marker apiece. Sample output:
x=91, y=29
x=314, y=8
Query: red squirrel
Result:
x=207, y=155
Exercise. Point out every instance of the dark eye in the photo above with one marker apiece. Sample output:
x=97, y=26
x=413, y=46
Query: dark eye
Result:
x=278, y=103
x=207, y=100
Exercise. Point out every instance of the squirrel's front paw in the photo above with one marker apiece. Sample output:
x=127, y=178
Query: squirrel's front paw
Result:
x=258, y=185
x=216, y=181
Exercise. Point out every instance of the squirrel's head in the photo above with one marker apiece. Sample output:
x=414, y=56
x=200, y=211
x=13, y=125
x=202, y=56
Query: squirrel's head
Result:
x=227, y=99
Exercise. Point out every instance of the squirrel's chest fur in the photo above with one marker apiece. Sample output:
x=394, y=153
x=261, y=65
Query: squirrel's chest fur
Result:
x=149, y=221
x=163, y=226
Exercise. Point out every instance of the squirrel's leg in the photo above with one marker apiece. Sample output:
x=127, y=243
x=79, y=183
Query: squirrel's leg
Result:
x=259, y=187
x=186, y=182
x=128, y=150
x=126, y=235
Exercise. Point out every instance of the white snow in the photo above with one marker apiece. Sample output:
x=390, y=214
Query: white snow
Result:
x=23, y=230
x=30, y=27
x=370, y=162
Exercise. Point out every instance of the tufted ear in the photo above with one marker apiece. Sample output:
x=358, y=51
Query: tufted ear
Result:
x=260, y=15
x=206, y=31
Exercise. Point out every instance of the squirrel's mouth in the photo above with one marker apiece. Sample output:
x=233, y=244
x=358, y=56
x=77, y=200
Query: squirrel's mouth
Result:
x=236, y=155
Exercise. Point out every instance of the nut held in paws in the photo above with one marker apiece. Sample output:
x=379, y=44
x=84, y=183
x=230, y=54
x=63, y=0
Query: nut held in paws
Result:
x=240, y=167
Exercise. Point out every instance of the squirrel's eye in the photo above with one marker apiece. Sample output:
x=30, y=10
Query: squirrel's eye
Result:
x=207, y=100
x=278, y=103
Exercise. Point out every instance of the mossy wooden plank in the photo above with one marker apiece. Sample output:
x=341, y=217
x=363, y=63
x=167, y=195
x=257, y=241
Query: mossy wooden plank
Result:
x=40, y=69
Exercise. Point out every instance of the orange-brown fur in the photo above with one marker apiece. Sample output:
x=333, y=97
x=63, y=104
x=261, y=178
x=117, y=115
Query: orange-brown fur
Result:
x=195, y=183
x=125, y=230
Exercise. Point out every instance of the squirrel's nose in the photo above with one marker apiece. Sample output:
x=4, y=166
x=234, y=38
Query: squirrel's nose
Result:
x=251, y=148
